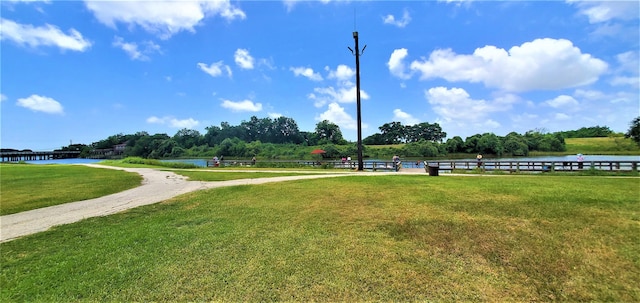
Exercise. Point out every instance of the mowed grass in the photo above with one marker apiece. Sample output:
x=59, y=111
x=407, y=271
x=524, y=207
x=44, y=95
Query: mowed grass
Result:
x=25, y=187
x=221, y=175
x=602, y=146
x=380, y=238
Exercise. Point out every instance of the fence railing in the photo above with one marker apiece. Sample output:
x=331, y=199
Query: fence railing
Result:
x=452, y=165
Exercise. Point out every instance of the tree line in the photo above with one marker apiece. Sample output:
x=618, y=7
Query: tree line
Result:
x=280, y=138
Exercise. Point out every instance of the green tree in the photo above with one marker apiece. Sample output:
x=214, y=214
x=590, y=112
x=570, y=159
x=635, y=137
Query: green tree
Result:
x=187, y=138
x=489, y=143
x=392, y=133
x=430, y=132
x=515, y=144
x=454, y=145
x=329, y=132
x=285, y=130
x=634, y=130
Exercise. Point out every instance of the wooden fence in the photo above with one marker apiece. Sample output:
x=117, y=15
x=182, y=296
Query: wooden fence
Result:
x=453, y=165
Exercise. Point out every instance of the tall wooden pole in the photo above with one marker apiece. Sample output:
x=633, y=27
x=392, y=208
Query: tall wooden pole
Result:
x=360, y=163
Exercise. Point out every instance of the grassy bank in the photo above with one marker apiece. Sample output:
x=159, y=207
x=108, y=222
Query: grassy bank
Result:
x=602, y=146
x=26, y=187
x=382, y=238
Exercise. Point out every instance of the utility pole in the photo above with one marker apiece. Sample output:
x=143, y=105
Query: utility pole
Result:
x=357, y=54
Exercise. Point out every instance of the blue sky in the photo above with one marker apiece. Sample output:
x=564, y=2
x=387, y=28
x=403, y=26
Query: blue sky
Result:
x=80, y=71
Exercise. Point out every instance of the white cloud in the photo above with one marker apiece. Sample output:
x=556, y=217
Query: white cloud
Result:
x=41, y=104
x=3, y=97
x=562, y=101
x=242, y=106
x=629, y=62
x=396, y=63
x=173, y=122
x=460, y=112
x=331, y=95
x=390, y=19
x=289, y=4
x=215, y=69
x=47, y=35
x=543, y=64
x=603, y=11
x=306, y=72
x=243, y=59
x=630, y=81
x=164, y=18
x=405, y=118
x=336, y=114
x=345, y=91
x=341, y=73
x=274, y=115
x=131, y=48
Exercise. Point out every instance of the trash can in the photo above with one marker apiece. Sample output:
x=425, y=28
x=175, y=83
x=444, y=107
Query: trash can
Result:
x=433, y=170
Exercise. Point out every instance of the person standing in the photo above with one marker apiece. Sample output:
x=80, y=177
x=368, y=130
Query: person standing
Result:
x=396, y=162
x=479, y=159
x=580, y=160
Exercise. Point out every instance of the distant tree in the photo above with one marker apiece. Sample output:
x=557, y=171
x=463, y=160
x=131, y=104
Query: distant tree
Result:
x=393, y=133
x=430, y=132
x=470, y=144
x=634, y=130
x=213, y=135
x=515, y=144
x=188, y=138
x=285, y=130
x=145, y=145
x=329, y=132
x=588, y=132
x=489, y=143
x=375, y=139
x=454, y=145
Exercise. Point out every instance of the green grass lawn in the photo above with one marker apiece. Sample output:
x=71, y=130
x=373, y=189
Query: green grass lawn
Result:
x=221, y=175
x=26, y=187
x=602, y=146
x=381, y=238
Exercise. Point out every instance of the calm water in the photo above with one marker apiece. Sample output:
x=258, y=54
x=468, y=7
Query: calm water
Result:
x=64, y=161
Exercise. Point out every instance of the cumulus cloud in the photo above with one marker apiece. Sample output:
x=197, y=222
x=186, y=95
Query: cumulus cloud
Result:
x=324, y=95
x=396, y=63
x=3, y=97
x=459, y=111
x=290, y=4
x=132, y=49
x=43, y=104
x=243, y=59
x=562, y=101
x=47, y=35
x=336, y=114
x=344, y=92
x=173, y=122
x=215, y=69
x=603, y=11
x=341, y=73
x=402, y=22
x=543, y=64
x=306, y=72
x=163, y=18
x=242, y=106
x=405, y=118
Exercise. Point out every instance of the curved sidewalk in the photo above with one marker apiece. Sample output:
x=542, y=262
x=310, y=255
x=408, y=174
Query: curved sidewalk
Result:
x=156, y=186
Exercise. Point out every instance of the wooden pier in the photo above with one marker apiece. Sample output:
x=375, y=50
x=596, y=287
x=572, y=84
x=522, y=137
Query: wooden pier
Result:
x=17, y=156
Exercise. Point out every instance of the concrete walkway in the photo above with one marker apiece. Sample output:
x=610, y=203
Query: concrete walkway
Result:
x=156, y=186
